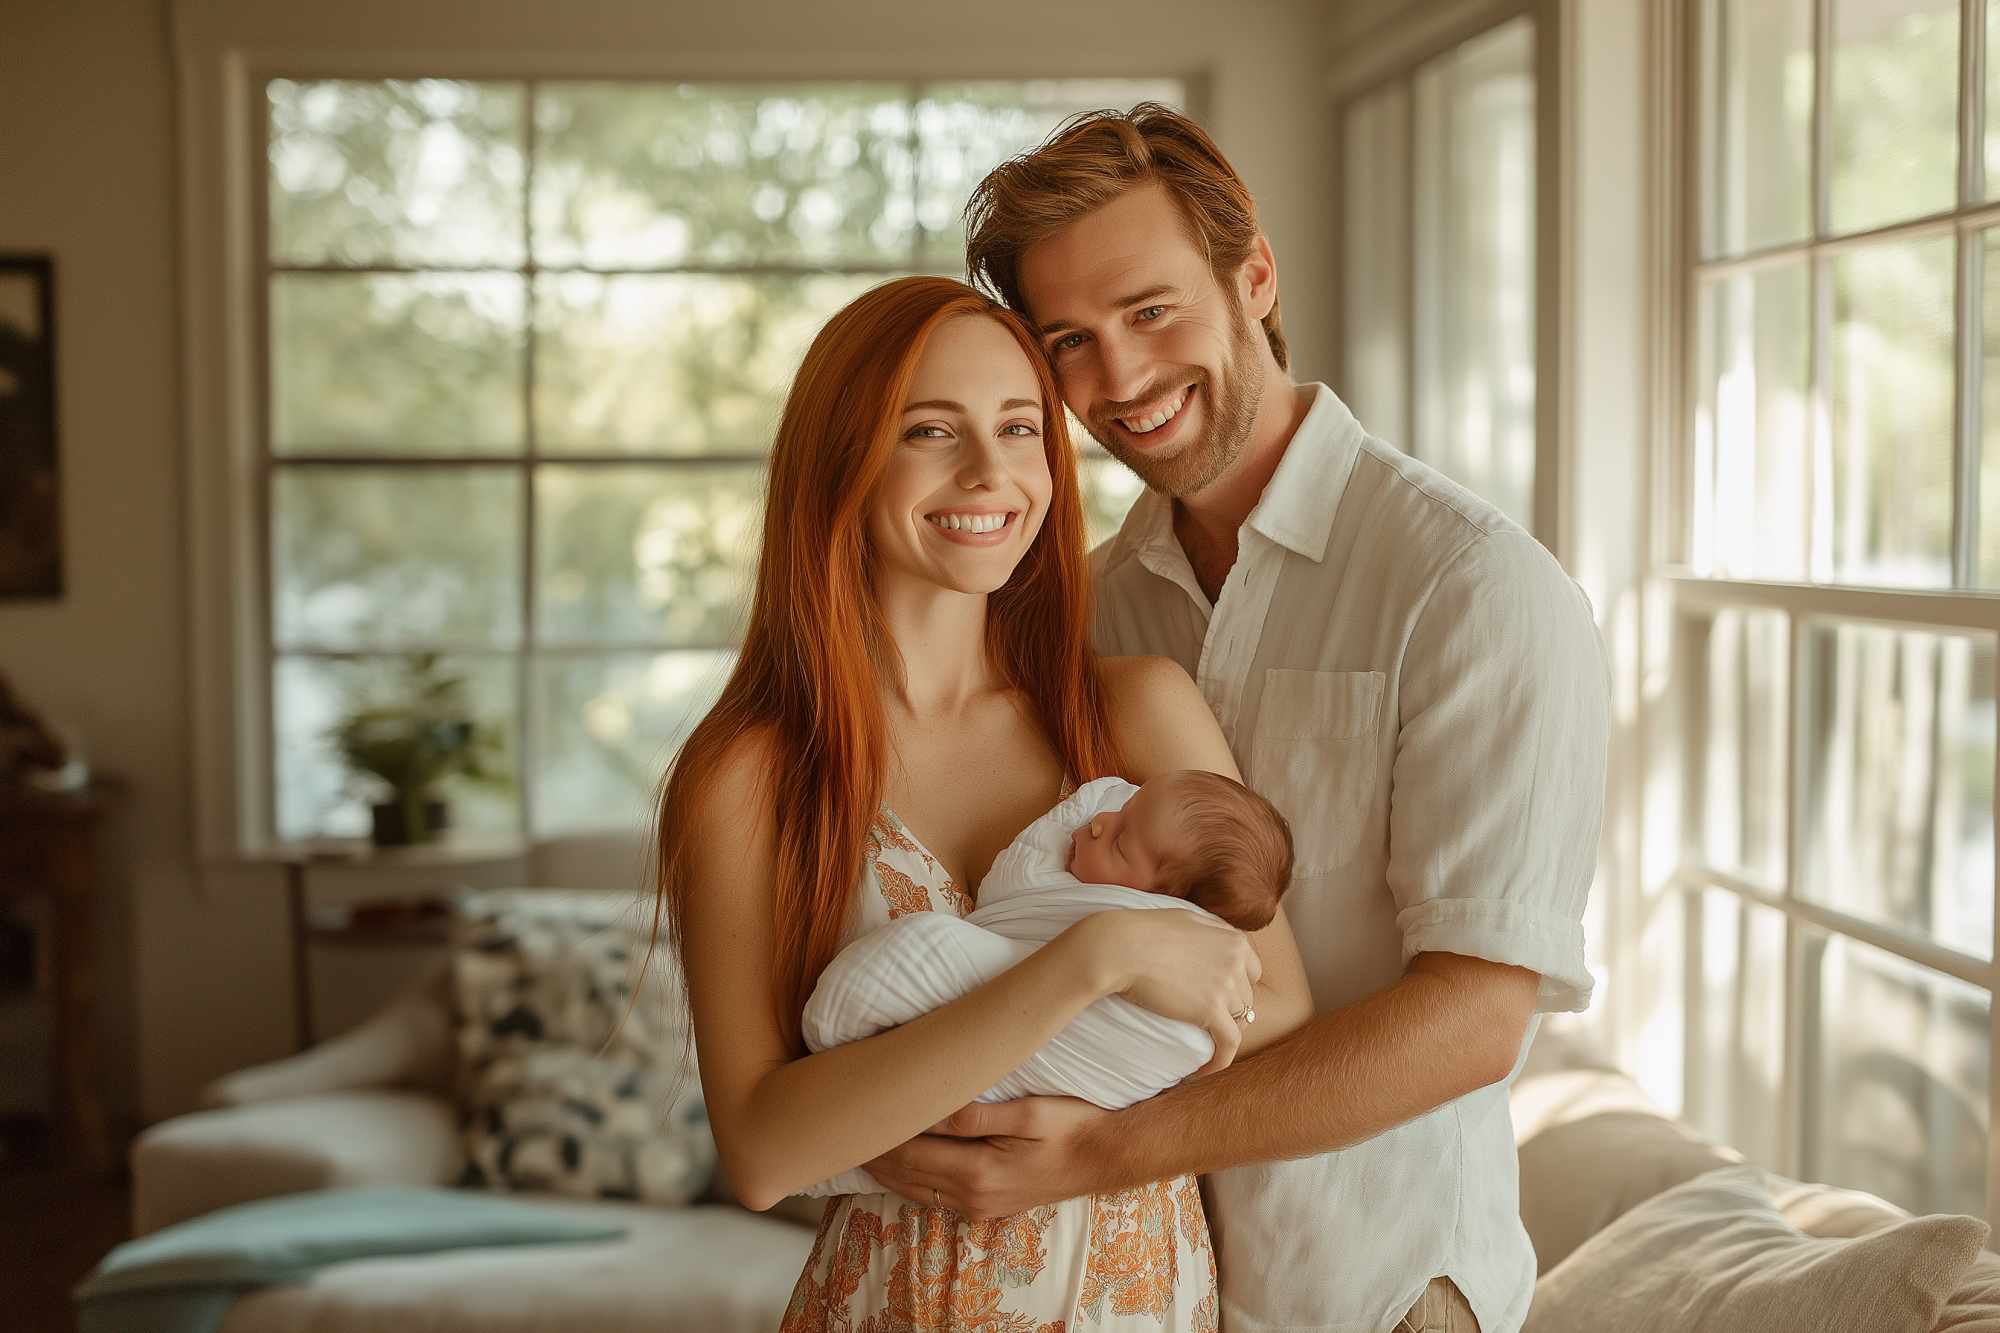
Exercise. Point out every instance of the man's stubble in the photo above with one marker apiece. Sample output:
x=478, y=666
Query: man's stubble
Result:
x=1230, y=409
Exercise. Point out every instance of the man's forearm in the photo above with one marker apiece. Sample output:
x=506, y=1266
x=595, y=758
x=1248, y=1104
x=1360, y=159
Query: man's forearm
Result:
x=1450, y=1026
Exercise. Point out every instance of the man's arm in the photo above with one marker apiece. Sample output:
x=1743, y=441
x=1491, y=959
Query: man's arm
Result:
x=1451, y=1025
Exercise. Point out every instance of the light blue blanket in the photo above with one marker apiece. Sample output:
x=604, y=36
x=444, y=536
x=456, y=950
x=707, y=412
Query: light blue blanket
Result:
x=182, y=1279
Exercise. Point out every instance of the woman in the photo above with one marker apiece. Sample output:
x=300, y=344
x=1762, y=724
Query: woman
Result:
x=915, y=687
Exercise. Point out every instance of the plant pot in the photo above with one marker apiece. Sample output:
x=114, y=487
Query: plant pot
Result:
x=392, y=829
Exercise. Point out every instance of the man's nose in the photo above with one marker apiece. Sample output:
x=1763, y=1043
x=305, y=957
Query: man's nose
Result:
x=1127, y=368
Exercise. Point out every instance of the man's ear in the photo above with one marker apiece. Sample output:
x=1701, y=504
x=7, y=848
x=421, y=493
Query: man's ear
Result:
x=1257, y=281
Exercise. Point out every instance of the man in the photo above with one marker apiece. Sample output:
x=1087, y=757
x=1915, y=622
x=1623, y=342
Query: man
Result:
x=1404, y=672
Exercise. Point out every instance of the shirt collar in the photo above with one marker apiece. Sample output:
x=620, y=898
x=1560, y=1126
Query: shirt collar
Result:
x=1297, y=507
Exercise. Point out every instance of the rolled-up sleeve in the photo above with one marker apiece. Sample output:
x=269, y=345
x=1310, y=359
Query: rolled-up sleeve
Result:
x=1498, y=788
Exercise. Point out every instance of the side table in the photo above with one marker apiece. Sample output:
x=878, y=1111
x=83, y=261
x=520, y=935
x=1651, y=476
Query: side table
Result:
x=454, y=852
x=48, y=847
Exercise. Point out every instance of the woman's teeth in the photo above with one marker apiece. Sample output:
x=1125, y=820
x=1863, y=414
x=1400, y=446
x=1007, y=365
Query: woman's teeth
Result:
x=1141, y=425
x=969, y=522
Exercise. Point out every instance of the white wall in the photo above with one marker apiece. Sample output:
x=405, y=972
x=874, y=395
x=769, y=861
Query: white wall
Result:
x=193, y=969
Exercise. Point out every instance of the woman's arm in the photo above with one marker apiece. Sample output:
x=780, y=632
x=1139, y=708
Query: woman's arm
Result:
x=782, y=1123
x=1163, y=724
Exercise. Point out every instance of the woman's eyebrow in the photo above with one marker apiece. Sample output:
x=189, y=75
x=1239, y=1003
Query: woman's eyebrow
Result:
x=947, y=405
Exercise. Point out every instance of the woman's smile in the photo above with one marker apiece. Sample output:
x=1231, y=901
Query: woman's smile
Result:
x=974, y=528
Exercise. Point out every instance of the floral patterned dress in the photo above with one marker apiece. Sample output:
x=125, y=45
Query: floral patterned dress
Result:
x=1138, y=1261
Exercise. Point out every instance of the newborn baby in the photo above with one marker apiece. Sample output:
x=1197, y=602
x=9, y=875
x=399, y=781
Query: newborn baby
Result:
x=1193, y=835
x=1187, y=840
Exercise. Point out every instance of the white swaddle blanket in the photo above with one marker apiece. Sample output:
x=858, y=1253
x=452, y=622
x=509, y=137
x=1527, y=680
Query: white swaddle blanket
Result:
x=1113, y=1054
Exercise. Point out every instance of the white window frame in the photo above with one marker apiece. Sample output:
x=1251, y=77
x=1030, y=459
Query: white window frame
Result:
x=1396, y=54
x=226, y=51
x=1664, y=903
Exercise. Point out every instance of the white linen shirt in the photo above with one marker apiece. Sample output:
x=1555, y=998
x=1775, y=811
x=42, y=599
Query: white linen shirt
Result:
x=1416, y=684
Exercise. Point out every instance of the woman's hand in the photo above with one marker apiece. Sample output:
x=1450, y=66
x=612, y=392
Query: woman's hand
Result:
x=1177, y=964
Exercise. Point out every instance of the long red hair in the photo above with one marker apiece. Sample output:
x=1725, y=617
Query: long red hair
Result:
x=807, y=681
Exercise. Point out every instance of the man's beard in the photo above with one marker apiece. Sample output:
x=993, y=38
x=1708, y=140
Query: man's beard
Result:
x=1229, y=412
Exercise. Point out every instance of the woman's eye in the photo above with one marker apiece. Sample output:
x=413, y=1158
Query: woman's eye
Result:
x=1019, y=428
x=928, y=433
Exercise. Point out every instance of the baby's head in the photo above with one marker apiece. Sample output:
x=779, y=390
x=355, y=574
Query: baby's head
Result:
x=1194, y=835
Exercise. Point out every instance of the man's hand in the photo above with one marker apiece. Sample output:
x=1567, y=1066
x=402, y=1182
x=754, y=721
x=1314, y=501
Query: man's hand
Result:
x=995, y=1160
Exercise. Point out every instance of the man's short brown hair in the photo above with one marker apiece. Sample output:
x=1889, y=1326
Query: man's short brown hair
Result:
x=1234, y=856
x=1091, y=160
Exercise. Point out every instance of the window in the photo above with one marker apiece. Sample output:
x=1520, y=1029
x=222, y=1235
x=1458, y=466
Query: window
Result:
x=1833, y=572
x=526, y=345
x=1439, y=266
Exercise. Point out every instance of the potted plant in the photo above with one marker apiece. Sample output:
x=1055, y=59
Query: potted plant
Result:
x=410, y=741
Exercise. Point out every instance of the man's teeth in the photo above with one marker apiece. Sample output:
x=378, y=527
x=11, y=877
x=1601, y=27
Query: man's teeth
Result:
x=1141, y=425
x=970, y=522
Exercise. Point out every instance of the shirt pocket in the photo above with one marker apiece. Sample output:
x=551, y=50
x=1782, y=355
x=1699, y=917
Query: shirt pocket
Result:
x=1314, y=757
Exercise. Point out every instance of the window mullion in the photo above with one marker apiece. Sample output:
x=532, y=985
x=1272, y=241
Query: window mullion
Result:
x=525, y=661
x=1966, y=451
x=1791, y=1083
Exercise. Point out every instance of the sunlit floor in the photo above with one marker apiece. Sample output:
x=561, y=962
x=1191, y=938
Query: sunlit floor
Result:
x=57, y=1225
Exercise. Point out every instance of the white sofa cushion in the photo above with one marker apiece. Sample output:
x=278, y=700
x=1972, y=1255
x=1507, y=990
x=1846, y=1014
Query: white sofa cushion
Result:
x=1713, y=1255
x=707, y=1269
x=194, y=1164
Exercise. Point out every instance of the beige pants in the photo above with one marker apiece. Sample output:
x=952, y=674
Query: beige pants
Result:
x=1441, y=1309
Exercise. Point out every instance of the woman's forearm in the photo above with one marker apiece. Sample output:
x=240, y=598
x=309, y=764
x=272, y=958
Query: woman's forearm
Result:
x=807, y=1119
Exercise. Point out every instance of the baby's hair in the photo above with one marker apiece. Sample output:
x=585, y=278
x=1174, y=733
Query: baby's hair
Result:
x=1238, y=851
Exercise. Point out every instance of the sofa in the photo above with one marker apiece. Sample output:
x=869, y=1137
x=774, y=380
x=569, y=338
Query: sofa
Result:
x=375, y=1106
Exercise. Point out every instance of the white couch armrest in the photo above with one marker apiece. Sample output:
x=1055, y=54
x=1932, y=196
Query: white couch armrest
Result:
x=409, y=1044
x=194, y=1164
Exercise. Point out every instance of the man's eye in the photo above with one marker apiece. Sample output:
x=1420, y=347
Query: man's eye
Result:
x=1152, y=312
x=1069, y=342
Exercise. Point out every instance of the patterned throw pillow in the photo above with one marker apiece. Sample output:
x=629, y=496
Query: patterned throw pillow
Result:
x=544, y=980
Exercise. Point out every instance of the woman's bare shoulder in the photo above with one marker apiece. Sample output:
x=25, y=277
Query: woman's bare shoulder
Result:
x=1143, y=685
x=737, y=789
x=1162, y=720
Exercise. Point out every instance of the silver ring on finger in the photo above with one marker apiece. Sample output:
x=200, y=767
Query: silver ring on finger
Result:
x=1246, y=1018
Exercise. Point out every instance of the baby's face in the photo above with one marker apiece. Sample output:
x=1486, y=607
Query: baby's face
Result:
x=1126, y=846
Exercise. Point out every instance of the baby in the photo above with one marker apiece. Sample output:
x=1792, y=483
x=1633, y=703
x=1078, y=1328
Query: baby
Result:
x=1191, y=835
x=1186, y=841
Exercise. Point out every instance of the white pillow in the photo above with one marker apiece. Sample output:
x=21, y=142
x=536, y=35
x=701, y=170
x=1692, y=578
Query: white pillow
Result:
x=1714, y=1255
x=544, y=983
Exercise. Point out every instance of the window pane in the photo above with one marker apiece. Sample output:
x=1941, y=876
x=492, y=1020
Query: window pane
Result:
x=1900, y=815
x=1757, y=101
x=964, y=130
x=1897, y=1083
x=373, y=557
x=1737, y=707
x=1475, y=266
x=631, y=175
x=1895, y=111
x=1109, y=489
x=1752, y=475
x=1893, y=378
x=1376, y=265
x=609, y=725
x=316, y=794
x=646, y=554
x=424, y=172
x=396, y=364
x=1737, y=1056
x=673, y=363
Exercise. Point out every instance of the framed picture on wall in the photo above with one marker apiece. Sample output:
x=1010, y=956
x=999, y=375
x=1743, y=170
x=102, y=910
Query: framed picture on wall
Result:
x=30, y=501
